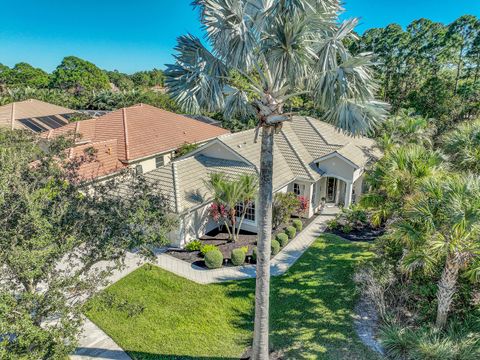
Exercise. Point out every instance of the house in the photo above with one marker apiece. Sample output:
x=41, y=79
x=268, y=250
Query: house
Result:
x=311, y=158
x=35, y=115
x=142, y=137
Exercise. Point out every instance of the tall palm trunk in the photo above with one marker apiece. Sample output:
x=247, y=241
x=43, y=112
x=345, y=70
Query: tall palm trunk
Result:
x=446, y=289
x=260, y=349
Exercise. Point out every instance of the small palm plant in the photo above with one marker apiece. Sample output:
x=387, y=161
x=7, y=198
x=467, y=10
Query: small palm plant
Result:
x=462, y=145
x=232, y=194
x=396, y=176
x=440, y=228
x=281, y=49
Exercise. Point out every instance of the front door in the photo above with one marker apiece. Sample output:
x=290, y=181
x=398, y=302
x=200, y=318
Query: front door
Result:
x=331, y=189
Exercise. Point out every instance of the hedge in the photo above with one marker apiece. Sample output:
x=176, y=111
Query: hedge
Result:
x=214, y=259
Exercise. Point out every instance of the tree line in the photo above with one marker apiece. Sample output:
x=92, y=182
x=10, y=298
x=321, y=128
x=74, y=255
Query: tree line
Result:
x=431, y=67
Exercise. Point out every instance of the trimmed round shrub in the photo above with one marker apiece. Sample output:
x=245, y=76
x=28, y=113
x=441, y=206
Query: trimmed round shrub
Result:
x=298, y=224
x=214, y=259
x=206, y=248
x=275, y=247
x=237, y=257
x=254, y=254
x=282, y=239
x=291, y=232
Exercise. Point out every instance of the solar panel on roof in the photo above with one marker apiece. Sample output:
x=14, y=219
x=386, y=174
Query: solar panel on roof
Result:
x=51, y=121
x=32, y=125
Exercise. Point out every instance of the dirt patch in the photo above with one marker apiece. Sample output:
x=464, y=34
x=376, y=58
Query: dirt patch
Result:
x=366, y=324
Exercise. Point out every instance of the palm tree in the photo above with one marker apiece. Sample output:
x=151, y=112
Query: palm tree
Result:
x=441, y=225
x=396, y=176
x=462, y=145
x=282, y=49
x=230, y=194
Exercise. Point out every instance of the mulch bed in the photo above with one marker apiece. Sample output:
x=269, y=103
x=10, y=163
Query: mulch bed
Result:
x=367, y=233
x=220, y=240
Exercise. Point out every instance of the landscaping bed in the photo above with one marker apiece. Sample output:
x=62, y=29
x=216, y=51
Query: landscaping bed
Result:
x=366, y=233
x=219, y=239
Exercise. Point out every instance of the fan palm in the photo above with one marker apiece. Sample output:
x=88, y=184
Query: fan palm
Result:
x=283, y=49
x=440, y=227
x=462, y=145
x=397, y=175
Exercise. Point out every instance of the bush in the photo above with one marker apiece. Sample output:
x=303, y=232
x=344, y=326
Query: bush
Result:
x=298, y=224
x=275, y=247
x=332, y=224
x=254, y=254
x=347, y=229
x=213, y=259
x=245, y=249
x=282, y=239
x=291, y=232
x=206, y=248
x=237, y=257
x=194, y=245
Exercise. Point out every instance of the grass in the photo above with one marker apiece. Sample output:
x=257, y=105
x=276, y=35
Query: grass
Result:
x=153, y=314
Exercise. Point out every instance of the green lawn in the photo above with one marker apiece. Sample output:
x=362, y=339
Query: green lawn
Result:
x=154, y=314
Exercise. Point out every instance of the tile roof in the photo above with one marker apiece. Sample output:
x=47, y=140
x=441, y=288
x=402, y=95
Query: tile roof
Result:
x=144, y=130
x=96, y=159
x=14, y=115
x=296, y=147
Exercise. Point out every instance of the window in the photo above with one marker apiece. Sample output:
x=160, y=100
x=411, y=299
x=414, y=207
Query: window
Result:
x=249, y=215
x=139, y=169
x=159, y=161
x=298, y=189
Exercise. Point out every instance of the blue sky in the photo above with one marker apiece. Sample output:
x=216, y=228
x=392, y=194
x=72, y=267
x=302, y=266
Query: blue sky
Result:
x=137, y=35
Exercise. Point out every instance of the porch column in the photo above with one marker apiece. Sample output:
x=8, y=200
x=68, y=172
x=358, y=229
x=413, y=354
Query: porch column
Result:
x=348, y=193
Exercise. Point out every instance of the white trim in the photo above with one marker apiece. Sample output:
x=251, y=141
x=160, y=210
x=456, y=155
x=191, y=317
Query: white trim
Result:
x=340, y=156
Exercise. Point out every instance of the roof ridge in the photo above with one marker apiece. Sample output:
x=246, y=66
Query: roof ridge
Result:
x=290, y=145
x=318, y=132
x=125, y=132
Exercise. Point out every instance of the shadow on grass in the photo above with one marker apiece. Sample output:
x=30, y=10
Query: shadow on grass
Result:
x=311, y=309
x=312, y=304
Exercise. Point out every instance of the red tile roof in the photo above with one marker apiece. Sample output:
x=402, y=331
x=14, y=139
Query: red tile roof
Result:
x=96, y=159
x=143, y=130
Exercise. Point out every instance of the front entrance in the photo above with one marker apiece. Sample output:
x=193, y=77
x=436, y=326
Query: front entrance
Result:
x=331, y=190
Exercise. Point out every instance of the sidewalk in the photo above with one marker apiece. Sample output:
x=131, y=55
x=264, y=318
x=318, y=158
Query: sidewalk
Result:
x=95, y=344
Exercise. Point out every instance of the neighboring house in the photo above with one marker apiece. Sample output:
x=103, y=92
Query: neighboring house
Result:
x=311, y=159
x=141, y=136
x=35, y=115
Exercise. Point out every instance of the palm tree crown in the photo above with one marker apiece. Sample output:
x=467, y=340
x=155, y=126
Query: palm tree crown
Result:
x=283, y=48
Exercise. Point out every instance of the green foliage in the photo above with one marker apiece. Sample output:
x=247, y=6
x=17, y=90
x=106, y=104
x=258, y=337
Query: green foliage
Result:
x=78, y=75
x=275, y=247
x=185, y=149
x=150, y=78
x=24, y=75
x=291, y=231
x=120, y=80
x=194, y=245
x=46, y=220
x=254, y=254
x=206, y=248
x=284, y=205
x=244, y=249
x=347, y=228
x=213, y=259
x=427, y=343
x=237, y=257
x=332, y=224
x=298, y=224
x=228, y=195
x=282, y=239
x=462, y=145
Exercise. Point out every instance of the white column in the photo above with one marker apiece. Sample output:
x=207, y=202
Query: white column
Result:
x=348, y=194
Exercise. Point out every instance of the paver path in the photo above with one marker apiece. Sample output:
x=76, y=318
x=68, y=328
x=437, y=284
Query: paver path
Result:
x=95, y=344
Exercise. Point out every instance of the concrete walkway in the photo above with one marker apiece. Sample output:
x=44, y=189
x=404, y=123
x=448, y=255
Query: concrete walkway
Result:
x=95, y=344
